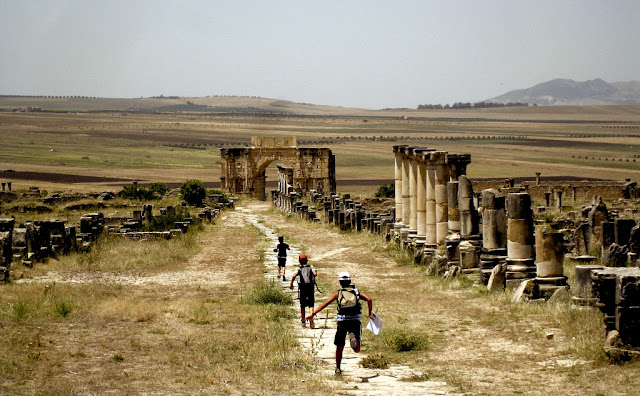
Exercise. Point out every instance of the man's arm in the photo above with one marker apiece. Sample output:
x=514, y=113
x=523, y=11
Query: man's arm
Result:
x=323, y=306
x=292, y=279
x=369, y=302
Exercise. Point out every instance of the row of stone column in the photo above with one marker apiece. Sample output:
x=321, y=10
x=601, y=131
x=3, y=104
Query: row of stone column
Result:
x=426, y=192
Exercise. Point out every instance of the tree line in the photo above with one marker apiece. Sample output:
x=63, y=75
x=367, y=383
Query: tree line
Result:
x=468, y=105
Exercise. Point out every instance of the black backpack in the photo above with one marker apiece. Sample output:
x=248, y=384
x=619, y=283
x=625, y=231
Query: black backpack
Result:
x=349, y=301
x=306, y=276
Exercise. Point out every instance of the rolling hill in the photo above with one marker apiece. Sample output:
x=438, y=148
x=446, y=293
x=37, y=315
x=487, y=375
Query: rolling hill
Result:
x=568, y=92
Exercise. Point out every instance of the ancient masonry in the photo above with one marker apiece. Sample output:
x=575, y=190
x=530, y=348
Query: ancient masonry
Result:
x=243, y=169
x=493, y=235
x=35, y=241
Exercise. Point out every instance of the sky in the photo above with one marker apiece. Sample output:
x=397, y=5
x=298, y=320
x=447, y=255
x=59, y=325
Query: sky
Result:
x=370, y=54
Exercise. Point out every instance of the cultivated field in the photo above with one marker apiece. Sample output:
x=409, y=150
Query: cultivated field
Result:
x=117, y=147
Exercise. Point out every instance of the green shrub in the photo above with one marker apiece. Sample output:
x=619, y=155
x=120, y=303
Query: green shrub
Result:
x=167, y=221
x=159, y=188
x=63, y=308
x=401, y=340
x=193, y=192
x=268, y=292
x=375, y=361
x=136, y=192
x=386, y=191
x=20, y=309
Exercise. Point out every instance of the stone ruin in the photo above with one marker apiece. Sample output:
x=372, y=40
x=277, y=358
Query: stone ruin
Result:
x=35, y=241
x=243, y=169
x=493, y=235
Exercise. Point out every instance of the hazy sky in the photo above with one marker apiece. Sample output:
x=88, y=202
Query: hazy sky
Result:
x=372, y=54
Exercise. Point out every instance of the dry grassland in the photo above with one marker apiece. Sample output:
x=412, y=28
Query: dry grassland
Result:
x=165, y=317
x=479, y=343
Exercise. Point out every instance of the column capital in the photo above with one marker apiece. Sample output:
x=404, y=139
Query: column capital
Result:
x=435, y=157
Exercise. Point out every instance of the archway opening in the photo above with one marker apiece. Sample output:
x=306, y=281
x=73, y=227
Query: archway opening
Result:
x=267, y=177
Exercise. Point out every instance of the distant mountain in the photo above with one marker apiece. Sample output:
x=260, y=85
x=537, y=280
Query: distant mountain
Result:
x=568, y=92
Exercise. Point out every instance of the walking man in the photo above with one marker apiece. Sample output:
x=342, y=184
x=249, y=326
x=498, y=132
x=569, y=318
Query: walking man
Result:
x=281, y=248
x=349, y=310
x=306, y=276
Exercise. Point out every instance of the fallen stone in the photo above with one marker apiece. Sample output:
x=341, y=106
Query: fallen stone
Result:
x=524, y=292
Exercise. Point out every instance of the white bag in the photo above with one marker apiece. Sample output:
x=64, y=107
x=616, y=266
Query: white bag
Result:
x=375, y=324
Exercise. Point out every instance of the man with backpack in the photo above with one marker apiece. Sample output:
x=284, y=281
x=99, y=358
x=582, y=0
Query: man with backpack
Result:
x=306, y=282
x=349, y=310
x=281, y=248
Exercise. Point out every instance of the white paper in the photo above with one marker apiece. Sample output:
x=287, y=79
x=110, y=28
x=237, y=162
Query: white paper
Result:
x=375, y=324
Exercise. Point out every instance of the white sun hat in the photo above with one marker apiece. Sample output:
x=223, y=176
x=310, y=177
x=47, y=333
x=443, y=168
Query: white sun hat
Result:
x=344, y=276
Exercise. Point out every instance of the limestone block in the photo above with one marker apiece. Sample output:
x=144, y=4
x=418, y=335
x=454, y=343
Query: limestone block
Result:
x=519, y=206
x=628, y=288
x=546, y=269
x=549, y=245
x=520, y=231
x=524, y=292
x=627, y=322
x=582, y=287
x=497, y=278
x=465, y=188
x=519, y=251
x=494, y=229
x=560, y=296
x=615, y=256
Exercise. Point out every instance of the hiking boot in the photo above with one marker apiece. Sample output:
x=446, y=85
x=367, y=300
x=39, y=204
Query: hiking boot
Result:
x=338, y=371
x=283, y=278
x=353, y=341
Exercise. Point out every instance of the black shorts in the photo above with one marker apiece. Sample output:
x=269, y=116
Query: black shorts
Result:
x=307, y=297
x=282, y=261
x=347, y=326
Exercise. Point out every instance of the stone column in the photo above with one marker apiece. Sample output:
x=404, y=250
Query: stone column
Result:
x=413, y=195
x=398, y=185
x=467, y=210
x=558, y=199
x=422, y=200
x=538, y=178
x=549, y=252
x=430, y=228
x=494, y=223
x=442, y=209
x=519, y=226
x=452, y=201
x=406, y=207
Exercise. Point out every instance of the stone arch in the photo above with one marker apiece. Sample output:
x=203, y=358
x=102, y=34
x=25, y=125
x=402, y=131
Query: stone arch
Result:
x=243, y=169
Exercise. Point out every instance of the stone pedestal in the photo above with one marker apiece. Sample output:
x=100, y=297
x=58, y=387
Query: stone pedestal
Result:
x=582, y=290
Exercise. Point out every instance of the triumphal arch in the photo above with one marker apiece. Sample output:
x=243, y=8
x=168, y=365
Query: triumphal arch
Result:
x=243, y=168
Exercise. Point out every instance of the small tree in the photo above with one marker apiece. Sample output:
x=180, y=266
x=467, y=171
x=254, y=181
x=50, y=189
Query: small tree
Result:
x=386, y=191
x=193, y=192
x=159, y=187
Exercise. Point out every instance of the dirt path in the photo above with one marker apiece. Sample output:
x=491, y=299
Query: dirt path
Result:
x=355, y=380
